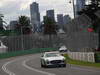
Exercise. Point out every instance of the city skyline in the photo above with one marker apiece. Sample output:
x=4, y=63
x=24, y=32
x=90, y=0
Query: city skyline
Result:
x=60, y=20
x=35, y=16
x=12, y=12
x=51, y=14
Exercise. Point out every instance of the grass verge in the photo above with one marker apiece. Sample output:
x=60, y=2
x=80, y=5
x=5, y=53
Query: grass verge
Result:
x=81, y=63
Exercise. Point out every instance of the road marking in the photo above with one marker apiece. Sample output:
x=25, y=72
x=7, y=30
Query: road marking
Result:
x=36, y=70
x=6, y=70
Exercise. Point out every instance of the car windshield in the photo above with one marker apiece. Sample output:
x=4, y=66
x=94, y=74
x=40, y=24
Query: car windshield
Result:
x=52, y=55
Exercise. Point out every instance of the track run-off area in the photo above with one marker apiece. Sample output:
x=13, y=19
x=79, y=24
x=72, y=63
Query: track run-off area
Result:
x=30, y=65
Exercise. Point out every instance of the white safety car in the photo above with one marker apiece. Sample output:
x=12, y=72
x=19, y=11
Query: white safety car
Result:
x=52, y=59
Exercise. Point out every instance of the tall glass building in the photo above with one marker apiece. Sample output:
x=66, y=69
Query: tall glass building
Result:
x=50, y=14
x=60, y=20
x=35, y=16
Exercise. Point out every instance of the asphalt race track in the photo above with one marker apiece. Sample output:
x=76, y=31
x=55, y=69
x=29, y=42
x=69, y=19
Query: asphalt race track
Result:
x=30, y=65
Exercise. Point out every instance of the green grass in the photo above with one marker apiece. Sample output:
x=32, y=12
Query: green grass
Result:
x=81, y=63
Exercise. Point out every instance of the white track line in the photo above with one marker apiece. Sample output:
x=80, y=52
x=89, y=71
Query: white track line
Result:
x=4, y=67
x=6, y=70
x=36, y=70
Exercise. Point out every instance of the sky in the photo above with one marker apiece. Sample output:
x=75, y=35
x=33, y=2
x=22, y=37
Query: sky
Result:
x=11, y=9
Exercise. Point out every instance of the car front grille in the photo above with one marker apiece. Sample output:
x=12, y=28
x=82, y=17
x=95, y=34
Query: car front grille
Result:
x=55, y=61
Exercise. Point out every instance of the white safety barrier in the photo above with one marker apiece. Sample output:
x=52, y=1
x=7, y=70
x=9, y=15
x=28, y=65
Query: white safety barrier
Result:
x=82, y=56
x=3, y=48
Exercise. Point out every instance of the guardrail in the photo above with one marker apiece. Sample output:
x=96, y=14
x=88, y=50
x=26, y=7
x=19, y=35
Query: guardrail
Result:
x=82, y=56
x=85, y=56
x=25, y=52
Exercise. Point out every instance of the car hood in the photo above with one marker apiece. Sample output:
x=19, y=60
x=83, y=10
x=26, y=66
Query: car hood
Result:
x=55, y=58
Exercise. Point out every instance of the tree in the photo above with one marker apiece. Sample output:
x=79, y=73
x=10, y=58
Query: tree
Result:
x=1, y=22
x=90, y=11
x=24, y=25
x=49, y=26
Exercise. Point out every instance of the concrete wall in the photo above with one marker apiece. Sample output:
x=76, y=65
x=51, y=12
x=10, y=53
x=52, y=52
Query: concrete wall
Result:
x=82, y=56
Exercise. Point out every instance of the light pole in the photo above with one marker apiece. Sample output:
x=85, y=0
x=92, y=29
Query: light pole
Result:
x=73, y=2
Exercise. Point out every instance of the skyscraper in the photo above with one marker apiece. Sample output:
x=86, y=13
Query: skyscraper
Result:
x=66, y=19
x=35, y=16
x=60, y=20
x=50, y=14
x=79, y=5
